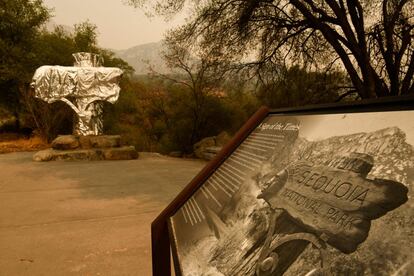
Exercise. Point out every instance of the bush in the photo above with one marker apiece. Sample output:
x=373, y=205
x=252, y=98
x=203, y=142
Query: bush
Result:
x=158, y=115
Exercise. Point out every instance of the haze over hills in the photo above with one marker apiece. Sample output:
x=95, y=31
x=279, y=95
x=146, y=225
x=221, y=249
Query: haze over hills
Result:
x=141, y=56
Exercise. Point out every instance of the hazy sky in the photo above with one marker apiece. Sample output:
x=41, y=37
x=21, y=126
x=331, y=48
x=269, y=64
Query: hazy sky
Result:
x=120, y=26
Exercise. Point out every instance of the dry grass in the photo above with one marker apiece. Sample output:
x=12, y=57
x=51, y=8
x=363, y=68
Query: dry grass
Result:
x=14, y=142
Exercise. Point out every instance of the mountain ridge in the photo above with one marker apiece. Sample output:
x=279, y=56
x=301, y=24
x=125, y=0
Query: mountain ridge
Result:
x=142, y=56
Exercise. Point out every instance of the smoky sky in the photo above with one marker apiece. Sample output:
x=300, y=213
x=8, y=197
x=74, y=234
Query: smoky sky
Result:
x=120, y=26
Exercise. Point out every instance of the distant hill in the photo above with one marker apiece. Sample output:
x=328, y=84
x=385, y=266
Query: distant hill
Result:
x=141, y=56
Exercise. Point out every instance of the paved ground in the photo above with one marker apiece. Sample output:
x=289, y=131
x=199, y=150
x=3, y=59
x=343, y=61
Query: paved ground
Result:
x=83, y=218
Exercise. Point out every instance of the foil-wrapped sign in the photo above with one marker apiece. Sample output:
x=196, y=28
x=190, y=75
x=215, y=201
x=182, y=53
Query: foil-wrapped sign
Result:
x=337, y=201
x=83, y=87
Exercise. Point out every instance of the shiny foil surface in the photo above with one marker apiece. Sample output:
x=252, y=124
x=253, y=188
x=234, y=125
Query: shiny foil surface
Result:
x=83, y=87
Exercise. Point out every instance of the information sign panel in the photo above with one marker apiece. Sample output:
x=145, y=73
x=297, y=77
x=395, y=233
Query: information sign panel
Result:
x=339, y=177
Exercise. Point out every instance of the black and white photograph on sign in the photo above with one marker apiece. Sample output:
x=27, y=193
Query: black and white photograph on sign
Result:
x=322, y=194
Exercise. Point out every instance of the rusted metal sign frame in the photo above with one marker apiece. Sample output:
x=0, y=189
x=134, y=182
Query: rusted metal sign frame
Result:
x=161, y=237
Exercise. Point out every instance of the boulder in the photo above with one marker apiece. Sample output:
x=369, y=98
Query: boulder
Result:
x=99, y=141
x=78, y=155
x=200, y=147
x=121, y=153
x=65, y=142
x=208, y=156
x=105, y=141
x=68, y=155
x=43, y=155
x=211, y=152
x=222, y=139
x=214, y=150
x=148, y=154
x=77, y=148
x=85, y=142
x=208, y=147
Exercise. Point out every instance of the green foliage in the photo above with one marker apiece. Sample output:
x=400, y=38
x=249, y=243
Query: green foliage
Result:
x=20, y=21
x=85, y=37
x=241, y=101
x=155, y=114
x=19, y=25
x=191, y=103
x=125, y=116
x=55, y=48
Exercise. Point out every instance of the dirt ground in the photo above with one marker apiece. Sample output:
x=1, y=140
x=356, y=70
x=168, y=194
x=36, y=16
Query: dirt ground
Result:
x=84, y=218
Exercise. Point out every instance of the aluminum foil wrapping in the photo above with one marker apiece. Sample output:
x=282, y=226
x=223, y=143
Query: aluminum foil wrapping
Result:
x=87, y=59
x=82, y=88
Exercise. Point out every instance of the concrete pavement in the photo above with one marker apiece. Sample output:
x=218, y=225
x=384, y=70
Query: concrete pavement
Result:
x=84, y=218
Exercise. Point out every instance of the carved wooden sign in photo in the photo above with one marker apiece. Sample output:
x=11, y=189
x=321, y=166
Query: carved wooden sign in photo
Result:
x=336, y=200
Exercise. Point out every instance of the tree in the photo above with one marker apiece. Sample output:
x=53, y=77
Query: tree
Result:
x=20, y=21
x=198, y=73
x=295, y=86
x=85, y=37
x=54, y=47
x=372, y=39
